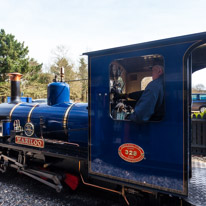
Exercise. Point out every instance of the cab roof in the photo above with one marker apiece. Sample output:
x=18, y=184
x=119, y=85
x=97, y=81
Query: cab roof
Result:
x=198, y=55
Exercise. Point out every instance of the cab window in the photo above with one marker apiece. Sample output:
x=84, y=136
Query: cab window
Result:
x=129, y=77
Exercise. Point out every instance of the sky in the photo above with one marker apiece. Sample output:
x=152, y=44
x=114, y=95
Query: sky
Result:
x=89, y=25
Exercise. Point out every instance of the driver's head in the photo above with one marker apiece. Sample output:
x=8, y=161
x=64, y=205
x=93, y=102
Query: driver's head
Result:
x=157, y=71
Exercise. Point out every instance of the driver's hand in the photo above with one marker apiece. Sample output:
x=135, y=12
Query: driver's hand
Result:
x=121, y=96
x=127, y=117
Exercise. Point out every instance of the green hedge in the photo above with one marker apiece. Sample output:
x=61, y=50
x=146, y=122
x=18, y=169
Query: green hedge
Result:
x=199, y=115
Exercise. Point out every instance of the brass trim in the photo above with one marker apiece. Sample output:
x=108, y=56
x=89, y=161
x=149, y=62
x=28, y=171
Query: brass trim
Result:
x=29, y=129
x=128, y=183
x=65, y=118
x=124, y=196
x=29, y=115
x=12, y=110
x=103, y=188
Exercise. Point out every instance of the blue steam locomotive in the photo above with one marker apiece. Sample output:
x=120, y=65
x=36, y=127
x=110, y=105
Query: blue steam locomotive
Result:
x=96, y=143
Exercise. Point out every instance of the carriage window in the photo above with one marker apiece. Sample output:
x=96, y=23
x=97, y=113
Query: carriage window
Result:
x=202, y=96
x=194, y=97
x=129, y=78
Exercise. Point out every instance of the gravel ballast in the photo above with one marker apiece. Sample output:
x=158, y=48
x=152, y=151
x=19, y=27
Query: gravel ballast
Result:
x=18, y=189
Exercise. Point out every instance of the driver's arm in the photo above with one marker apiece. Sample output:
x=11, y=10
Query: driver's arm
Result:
x=145, y=107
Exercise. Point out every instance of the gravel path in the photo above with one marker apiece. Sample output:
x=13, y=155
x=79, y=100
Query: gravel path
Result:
x=17, y=189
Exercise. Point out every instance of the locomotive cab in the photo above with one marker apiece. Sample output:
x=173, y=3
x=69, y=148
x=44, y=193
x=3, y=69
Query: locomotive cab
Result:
x=155, y=154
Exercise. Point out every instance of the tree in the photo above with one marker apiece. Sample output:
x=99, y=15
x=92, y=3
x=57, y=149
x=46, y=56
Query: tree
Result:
x=4, y=91
x=60, y=52
x=61, y=59
x=14, y=58
x=70, y=75
x=45, y=78
x=35, y=90
x=33, y=71
x=199, y=87
x=83, y=75
x=13, y=55
x=68, y=69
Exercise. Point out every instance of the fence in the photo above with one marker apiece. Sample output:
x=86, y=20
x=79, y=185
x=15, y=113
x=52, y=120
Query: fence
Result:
x=198, y=137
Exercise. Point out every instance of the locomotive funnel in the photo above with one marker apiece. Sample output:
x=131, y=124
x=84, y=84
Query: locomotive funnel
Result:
x=15, y=87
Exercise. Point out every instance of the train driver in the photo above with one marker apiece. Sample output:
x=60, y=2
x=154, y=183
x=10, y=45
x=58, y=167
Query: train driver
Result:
x=150, y=105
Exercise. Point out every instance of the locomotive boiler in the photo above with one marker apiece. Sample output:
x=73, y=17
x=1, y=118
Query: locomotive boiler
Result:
x=96, y=143
x=57, y=120
x=58, y=128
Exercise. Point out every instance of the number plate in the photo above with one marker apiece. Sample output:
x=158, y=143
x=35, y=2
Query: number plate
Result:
x=131, y=152
x=29, y=141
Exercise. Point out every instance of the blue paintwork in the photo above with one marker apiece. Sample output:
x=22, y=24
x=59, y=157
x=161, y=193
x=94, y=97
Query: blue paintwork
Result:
x=165, y=165
x=23, y=99
x=58, y=92
x=6, y=127
x=5, y=109
x=53, y=120
x=53, y=115
x=77, y=120
x=165, y=143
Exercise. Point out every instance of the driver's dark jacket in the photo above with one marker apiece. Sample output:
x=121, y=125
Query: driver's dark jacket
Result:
x=150, y=105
